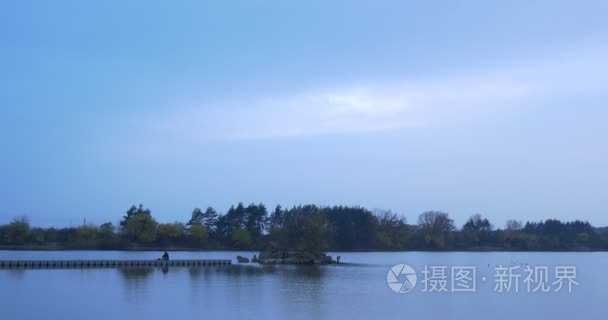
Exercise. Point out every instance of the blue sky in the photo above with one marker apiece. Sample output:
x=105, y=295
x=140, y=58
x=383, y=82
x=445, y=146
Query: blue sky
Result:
x=487, y=107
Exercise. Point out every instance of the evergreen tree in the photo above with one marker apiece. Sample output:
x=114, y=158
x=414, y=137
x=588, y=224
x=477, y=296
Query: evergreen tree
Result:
x=209, y=219
x=196, y=218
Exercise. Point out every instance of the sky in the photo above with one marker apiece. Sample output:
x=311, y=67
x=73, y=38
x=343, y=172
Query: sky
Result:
x=490, y=107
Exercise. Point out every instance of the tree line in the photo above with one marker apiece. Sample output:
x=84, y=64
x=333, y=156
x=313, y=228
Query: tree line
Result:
x=307, y=227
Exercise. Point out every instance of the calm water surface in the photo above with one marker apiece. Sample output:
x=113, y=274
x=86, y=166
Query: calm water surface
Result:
x=356, y=290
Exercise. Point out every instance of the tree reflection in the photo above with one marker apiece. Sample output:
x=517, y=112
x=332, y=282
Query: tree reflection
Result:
x=135, y=282
x=16, y=273
x=136, y=273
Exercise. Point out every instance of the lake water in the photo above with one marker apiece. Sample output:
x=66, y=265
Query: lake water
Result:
x=355, y=290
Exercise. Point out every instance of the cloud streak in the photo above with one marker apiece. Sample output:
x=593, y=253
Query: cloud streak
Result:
x=377, y=107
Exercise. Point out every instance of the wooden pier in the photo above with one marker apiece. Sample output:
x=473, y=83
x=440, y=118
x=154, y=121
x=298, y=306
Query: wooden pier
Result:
x=78, y=264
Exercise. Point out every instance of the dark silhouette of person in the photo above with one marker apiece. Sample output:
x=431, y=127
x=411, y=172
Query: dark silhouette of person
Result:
x=165, y=256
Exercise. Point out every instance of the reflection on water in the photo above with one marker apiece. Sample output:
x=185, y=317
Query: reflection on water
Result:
x=304, y=286
x=17, y=274
x=135, y=282
x=135, y=274
x=195, y=273
x=345, y=291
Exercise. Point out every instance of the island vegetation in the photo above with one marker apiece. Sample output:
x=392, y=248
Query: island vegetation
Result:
x=308, y=228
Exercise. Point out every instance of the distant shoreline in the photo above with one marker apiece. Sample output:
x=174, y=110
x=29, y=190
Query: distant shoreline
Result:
x=309, y=228
x=184, y=249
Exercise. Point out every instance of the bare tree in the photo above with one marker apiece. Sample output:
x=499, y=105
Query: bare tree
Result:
x=513, y=225
x=435, y=222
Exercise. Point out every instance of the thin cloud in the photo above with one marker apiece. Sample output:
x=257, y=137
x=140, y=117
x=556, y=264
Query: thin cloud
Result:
x=381, y=106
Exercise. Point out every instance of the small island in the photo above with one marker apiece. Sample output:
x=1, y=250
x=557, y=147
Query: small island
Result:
x=285, y=256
